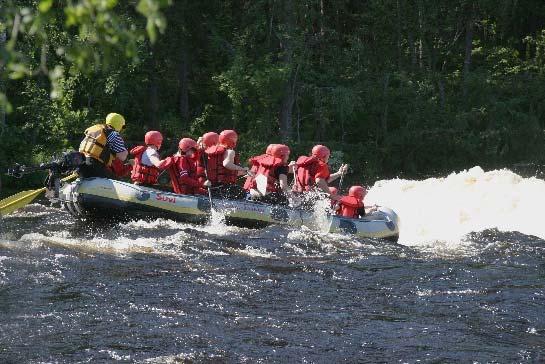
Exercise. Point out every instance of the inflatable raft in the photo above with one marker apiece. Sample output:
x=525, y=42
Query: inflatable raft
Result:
x=101, y=197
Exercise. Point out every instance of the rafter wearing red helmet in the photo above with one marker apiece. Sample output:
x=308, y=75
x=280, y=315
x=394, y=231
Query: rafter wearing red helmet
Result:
x=352, y=206
x=273, y=167
x=223, y=168
x=254, y=165
x=208, y=140
x=147, y=162
x=182, y=169
x=312, y=172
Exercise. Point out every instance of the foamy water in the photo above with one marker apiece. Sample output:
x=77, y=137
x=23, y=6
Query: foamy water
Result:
x=447, y=209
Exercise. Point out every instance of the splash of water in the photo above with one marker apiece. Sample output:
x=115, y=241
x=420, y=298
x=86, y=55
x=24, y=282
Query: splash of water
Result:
x=447, y=209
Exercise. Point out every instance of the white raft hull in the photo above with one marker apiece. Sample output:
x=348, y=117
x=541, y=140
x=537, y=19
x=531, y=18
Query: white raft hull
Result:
x=94, y=197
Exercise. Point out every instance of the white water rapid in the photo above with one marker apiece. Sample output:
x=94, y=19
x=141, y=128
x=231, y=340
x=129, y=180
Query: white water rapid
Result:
x=447, y=209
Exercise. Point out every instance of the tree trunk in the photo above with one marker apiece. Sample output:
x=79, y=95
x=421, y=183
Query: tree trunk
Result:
x=154, y=97
x=441, y=87
x=420, y=35
x=184, y=86
x=385, y=111
x=468, y=47
x=412, y=46
x=286, y=110
x=286, y=107
x=398, y=35
x=3, y=38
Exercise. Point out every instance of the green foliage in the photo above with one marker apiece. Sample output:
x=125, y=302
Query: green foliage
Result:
x=395, y=87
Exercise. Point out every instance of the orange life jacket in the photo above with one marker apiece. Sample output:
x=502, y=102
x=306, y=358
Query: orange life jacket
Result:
x=266, y=165
x=95, y=144
x=349, y=206
x=307, y=167
x=217, y=173
x=142, y=174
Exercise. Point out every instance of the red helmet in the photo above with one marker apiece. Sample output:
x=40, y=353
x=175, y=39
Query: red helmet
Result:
x=280, y=150
x=358, y=192
x=269, y=150
x=333, y=191
x=153, y=138
x=228, y=138
x=320, y=151
x=210, y=139
x=187, y=143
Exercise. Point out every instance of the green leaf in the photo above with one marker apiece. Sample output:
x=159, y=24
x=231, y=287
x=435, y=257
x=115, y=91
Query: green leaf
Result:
x=45, y=5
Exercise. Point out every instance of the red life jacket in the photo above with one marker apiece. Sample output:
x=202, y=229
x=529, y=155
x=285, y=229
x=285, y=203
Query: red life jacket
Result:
x=266, y=165
x=307, y=167
x=199, y=157
x=179, y=181
x=349, y=206
x=254, y=165
x=119, y=169
x=141, y=173
x=217, y=173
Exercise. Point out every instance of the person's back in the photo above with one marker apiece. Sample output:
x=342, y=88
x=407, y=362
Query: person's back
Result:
x=101, y=145
x=352, y=205
x=208, y=140
x=312, y=172
x=270, y=183
x=223, y=167
x=147, y=162
x=254, y=163
x=182, y=169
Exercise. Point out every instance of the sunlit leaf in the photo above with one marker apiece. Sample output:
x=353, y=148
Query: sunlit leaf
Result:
x=45, y=5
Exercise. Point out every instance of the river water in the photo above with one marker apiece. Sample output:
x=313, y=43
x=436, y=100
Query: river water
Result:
x=464, y=284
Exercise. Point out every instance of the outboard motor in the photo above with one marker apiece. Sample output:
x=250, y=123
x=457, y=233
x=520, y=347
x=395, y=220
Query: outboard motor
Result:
x=66, y=163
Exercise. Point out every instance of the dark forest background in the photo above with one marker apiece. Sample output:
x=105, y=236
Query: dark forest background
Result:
x=394, y=87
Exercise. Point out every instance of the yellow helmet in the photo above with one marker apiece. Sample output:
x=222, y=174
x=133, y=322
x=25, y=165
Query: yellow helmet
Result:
x=115, y=120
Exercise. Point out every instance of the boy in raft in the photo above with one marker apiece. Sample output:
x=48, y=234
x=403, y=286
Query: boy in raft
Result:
x=147, y=162
x=206, y=141
x=270, y=183
x=254, y=165
x=223, y=167
x=102, y=146
x=352, y=205
x=312, y=172
x=182, y=168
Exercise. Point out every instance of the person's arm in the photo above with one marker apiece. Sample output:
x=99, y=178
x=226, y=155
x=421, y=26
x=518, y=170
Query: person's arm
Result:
x=184, y=168
x=117, y=146
x=322, y=185
x=163, y=164
x=342, y=170
x=154, y=159
x=122, y=155
x=229, y=163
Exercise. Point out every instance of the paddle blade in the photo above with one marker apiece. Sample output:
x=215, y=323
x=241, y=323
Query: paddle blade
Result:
x=21, y=199
x=17, y=196
x=261, y=181
x=20, y=202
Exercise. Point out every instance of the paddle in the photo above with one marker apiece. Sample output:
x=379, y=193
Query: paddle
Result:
x=21, y=199
x=341, y=182
x=205, y=162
